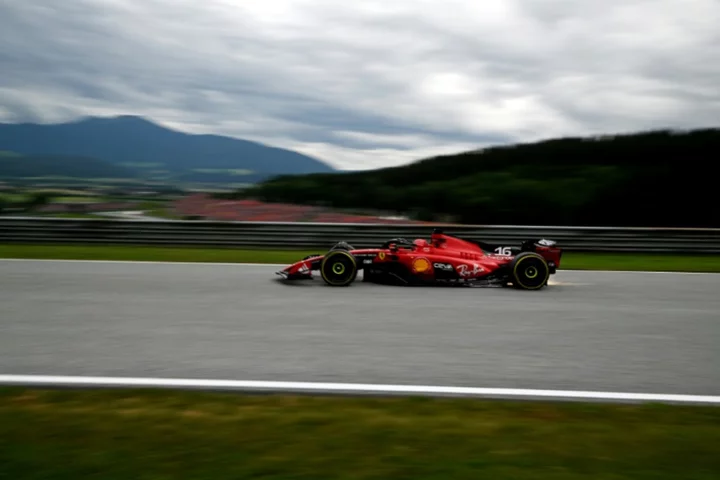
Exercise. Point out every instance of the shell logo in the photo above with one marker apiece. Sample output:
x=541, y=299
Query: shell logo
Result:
x=421, y=265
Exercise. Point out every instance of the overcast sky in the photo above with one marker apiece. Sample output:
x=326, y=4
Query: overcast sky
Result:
x=366, y=84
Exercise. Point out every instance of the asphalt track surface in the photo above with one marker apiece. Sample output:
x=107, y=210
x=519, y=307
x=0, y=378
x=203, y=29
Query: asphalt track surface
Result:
x=596, y=331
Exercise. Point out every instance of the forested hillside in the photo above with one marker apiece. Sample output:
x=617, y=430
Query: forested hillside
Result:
x=647, y=179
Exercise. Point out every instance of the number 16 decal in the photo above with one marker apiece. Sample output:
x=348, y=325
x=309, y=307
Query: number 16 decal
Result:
x=503, y=250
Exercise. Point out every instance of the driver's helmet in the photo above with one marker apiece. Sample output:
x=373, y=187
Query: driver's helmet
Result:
x=420, y=242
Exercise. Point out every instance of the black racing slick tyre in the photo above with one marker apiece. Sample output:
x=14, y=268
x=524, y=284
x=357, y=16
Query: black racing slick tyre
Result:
x=339, y=268
x=342, y=246
x=529, y=271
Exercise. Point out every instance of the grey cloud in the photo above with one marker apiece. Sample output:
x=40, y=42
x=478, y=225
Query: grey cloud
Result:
x=370, y=83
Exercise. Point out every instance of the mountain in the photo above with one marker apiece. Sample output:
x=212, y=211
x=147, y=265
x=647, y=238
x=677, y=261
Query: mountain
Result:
x=158, y=151
x=13, y=166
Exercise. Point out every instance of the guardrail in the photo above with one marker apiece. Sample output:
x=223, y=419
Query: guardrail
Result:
x=321, y=236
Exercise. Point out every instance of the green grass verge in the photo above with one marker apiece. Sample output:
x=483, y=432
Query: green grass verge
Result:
x=162, y=434
x=644, y=262
x=155, y=254
x=571, y=261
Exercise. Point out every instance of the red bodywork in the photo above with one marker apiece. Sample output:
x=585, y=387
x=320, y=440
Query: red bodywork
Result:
x=444, y=257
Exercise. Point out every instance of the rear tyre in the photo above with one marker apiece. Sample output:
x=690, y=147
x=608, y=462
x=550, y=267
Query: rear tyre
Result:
x=338, y=268
x=530, y=271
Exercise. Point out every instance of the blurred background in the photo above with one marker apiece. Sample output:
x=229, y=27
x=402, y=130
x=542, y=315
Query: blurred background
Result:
x=189, y=148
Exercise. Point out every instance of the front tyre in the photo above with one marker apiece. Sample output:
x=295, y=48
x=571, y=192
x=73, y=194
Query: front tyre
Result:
x=530, y=271
x=338, y=268
x=342, y=246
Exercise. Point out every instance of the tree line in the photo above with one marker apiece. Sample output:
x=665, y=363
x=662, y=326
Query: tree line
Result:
x=658, y=178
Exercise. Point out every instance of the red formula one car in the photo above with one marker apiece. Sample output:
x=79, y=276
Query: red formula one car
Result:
x=445, y=260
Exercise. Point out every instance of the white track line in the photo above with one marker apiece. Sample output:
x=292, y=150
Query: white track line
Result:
x=124, y=382
x=281, y=265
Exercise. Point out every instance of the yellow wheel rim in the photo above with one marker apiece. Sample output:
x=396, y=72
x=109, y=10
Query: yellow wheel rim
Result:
x=533, y=272
x=337, y=267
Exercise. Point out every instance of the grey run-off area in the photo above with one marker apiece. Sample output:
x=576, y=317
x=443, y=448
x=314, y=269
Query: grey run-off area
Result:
x=599, y=331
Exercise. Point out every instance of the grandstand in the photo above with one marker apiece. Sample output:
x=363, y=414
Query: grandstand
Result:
x=205, y=207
